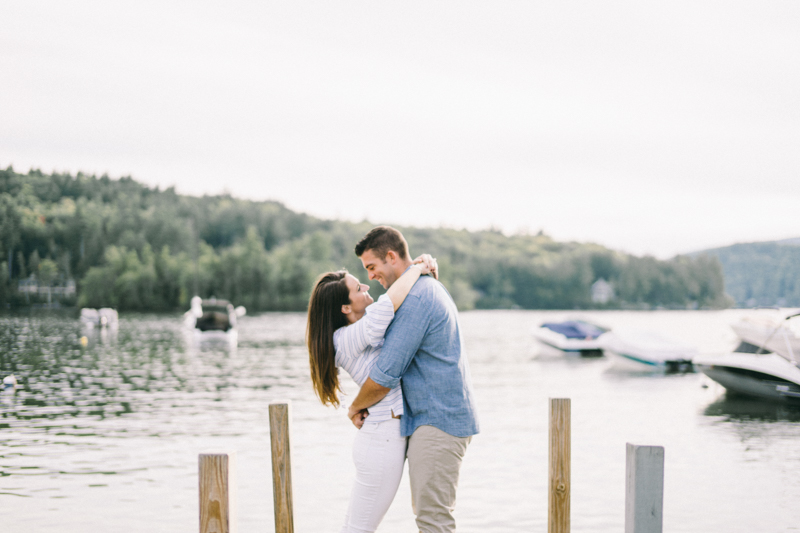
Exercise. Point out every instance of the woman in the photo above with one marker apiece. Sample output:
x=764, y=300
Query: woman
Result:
x=346, y=329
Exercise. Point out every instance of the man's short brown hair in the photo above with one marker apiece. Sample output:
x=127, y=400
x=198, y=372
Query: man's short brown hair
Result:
x=380, y=240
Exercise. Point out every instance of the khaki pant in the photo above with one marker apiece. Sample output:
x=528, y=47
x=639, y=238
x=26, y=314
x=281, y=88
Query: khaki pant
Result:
x=434, y=460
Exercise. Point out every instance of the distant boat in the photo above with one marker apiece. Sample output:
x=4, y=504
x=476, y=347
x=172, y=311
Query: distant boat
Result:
x=571, y=337
x=647, y=350
x=103, y=317
x=766, y=364
x=213, y=320
x=10, y=383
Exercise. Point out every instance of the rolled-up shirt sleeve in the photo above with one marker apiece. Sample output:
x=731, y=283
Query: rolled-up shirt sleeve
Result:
x=403, y=339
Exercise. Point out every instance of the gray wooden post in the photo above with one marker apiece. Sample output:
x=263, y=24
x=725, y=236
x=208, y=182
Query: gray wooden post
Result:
x=217, y=493
x=644, y=489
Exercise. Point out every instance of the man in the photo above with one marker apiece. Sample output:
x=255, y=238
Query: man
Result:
x=423, y=351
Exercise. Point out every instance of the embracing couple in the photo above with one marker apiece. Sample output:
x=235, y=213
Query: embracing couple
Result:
x=407, y=354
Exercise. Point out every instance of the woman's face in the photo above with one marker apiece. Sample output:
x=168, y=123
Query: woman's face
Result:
x=359, y=298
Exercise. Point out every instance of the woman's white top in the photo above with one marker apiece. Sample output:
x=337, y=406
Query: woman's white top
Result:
x=358, y=346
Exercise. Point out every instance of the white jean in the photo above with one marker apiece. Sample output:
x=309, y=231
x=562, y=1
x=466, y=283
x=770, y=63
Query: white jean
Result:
x=379, y=453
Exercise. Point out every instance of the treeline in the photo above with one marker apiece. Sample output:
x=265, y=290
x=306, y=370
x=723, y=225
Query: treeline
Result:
x=133, y=247
x=762, y=273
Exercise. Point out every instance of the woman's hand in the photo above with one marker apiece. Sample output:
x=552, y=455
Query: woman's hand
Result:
x=428, y=265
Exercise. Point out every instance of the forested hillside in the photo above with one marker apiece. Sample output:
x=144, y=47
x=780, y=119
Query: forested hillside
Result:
x=762, y=273
x=133, y=247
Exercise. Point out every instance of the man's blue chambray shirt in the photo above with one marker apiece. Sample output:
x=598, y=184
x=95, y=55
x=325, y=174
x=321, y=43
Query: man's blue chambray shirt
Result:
x=423, y=351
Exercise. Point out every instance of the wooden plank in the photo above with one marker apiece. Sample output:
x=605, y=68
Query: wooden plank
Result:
x=559, y=471
x=216, y=492
x=644, y=489
x=279, y=418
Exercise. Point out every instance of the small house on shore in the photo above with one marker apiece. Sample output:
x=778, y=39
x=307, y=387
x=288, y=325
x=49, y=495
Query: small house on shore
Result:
x=602, y=291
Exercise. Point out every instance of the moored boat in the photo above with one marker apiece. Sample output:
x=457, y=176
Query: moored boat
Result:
x=103, y=317
x=763, y=365
x=770, y=329
x=571, y=337
x=213, y=320
x=642, y=350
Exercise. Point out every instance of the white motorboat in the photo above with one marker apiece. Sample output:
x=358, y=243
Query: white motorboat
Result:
x=641, y=350
x=570, y=337
x=10, y=384
x=769, y=329
x=213, y=320
x=765, y=370
x=103, y=317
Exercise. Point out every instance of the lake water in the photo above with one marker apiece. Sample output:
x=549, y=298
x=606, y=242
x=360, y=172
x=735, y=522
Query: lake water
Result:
x=105, y=437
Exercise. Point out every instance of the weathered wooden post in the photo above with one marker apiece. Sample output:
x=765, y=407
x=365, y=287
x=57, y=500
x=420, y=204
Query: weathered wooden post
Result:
x=216, y=493
x=644, y=489
x=559, y=490
x=281, y=467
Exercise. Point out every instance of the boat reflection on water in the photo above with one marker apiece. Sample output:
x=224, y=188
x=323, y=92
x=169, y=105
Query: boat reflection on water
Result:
x=195, y=343
x=745, y=408
x=93, y=336
x=616, y=371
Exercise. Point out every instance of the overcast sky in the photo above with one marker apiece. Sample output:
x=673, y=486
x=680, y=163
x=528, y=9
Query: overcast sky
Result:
x=654, y=128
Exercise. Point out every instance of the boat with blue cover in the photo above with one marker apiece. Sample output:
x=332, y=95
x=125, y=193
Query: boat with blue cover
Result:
x=576, y=337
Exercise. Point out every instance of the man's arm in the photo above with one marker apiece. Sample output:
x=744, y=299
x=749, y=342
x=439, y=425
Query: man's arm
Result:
x=370, y=394
x=403, y=339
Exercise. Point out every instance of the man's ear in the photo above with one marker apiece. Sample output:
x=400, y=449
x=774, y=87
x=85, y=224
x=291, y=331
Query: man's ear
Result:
x=346, y=309
x=391, y=257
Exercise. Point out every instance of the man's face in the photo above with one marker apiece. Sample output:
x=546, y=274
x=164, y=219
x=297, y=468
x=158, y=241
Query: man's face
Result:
x=378, y=269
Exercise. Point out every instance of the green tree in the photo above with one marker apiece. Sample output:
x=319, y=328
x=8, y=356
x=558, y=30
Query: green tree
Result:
x=134, y=247
x=47, y=272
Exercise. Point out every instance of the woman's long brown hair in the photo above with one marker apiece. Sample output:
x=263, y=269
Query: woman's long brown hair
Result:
x=325, y=316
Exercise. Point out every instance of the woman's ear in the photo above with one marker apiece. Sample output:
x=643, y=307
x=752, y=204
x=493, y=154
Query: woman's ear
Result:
x=346, y=309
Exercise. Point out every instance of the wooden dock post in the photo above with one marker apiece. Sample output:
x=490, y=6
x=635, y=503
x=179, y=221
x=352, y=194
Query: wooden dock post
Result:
x=644, y=489
x=216, y=492
x=559, y=489
x=279, y=418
